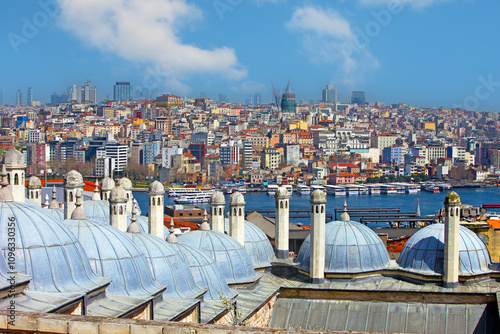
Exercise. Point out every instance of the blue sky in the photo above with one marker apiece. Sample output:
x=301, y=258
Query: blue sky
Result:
x=423, y=52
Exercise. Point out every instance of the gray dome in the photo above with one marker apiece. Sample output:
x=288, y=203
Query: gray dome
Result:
x=236, y=199
x=156, y=188
x=34, y=182
x=107, y=184
x=424, y=252
x=350, y=247
x=14, y=159
x=59, y=213
x=205, y=272
x=125, y=183
x=167, y=266
x=281, y=192
x=228, y=254
x=257, y=245
x=118, y=195
x=318, y=196
x=73, y=179
x=47, y=251
x=114, y=256
x=217, y=198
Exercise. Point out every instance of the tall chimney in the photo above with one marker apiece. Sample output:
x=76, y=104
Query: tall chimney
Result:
x=72, y=182
x=118, y=208
x=317, y=255
x=156, y=211
x=451, y=240
x=282, y=199
x=217, y=207
x=237, y=217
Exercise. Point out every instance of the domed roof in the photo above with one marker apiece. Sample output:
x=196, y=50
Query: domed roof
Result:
x=257, y=245
x=73, y=179
x=14, y=159
x=125, y=183
x=59, y=213
x=205, y=271
x=452, y=199
x=281, y=192
x=351, y=247
x=167, y=266
x=318, y=196
x=118, y=195
x=156, y=188
x=217, y=198
x=236, y=199
x=34, y=182
x=114, y=256
x=424, y=252
x=47, y=251
x=228, y=254
x=107, y=184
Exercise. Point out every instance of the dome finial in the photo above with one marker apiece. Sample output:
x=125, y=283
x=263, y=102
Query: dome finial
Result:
x=46, y=200
x=78, y=213
x=96, y=196
x=204, y=225
x=345, y=216
x=171, y=238
x=134, y=227
x=418, y=208
x=53, y=204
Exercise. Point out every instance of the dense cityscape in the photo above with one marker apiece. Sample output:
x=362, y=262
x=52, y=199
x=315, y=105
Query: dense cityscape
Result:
x=202, y=141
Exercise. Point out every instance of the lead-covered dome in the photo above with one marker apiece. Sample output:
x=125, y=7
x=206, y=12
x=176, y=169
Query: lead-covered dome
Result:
x=113, y=255
x=350, y=247
x=46, y=250
x=217, y=198
x=73, y=179
x=228, y=254
x=118, y=194
x=424, y=252
x=167, y=266
x=156, y=188
x=125, y=183
x=236, y=199
x=34, y=182
x=107, y=184
x=257, y=245
x=14, y=159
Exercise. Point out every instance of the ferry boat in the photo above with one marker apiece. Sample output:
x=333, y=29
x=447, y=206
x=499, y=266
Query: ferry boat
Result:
x=202, y=197
x=400, y=187
x=443, y=186
x=336, y=190
x=241, y=190
x=289, y=188
x=388, y=189
x=352, y=190
x=177, y=192
x=271, y=189
x=373, y=189
x=314, y=187
x=432, y=188
x=302, y=189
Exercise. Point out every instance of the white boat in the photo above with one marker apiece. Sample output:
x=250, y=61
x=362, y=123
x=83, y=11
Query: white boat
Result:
x=374, y=188
x=289, y=187
x=388, y=189
x=352, y=190
x=302, y=189
x=336, y=190
x=400, y=187
x=431, y=188
x=203, y=197
x=271, y=189
x=443, y=186
x=177, y=192
x=315, y=187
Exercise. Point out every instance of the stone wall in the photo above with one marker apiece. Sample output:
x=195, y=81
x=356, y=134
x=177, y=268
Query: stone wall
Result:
x=262, y=318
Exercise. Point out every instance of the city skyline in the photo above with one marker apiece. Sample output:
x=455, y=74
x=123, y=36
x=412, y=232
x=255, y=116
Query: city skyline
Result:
x=395, y=54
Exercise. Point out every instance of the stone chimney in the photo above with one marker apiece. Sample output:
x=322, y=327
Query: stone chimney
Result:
x=118, y=208
x=281, y=238
x=451, y=240
x=72, y=182
x=318, y=220
x=237, y=217
x=217, y=207
x=156, y=210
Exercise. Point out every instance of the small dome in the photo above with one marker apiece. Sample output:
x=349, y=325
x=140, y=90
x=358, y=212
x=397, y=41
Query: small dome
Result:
x=125, y=183
x=281, y=192
x=217, y=198
x=156, y=188
x=167, y=266
x=350, y=247
x=47, y=251
x=452, y=199
x=236, y=199
x=114, y=256
x=34, y=182
x=257, y=245
x=205, y=272
x=118, y=195
x=318, y=196
x=107, y=184
x=73, y=179
x=14, y=159
x=424, y=252
x=228, y=254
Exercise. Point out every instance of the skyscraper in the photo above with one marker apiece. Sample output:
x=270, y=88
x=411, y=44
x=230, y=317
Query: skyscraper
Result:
x=19, y=98
x=329, y=94
x=122, y=91
x=257, y=99
x=89, y=93
x=29, y=97
x=288, y=101
x=358, y=97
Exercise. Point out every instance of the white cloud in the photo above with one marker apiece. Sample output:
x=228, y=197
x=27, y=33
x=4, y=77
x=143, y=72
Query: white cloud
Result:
x=328, y=38
x=416, y=4
x=147, y=31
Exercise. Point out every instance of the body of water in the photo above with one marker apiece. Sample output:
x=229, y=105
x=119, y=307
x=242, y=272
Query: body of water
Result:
x=429, y=202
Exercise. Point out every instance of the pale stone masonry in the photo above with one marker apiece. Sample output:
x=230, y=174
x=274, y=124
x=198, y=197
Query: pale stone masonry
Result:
x=451, y=240
x=318, y=218
x=282, y=221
